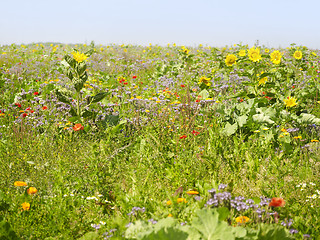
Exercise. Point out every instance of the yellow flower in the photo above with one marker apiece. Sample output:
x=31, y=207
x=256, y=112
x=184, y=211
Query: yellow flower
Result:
x=180, y=200
x=254, y=54
x=290, y=102
x=256, y=131
x=242, y=219
x=25, y=206
x=32, y=190
x=204, y=80
x=314, y=140
x=170, y=215
x=185, y=50
x=242, y=53
x=230, y=60
x=283, y=130
x=298, y=137
x=276, y=57
x=79, y=57
x=297, y=55
x=263, y=80
x=266, y=50
x=192, y=192
x=169, y=202
x=20, y=184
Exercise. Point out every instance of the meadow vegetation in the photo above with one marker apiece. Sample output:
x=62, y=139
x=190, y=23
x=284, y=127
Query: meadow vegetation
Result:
x=151, y=142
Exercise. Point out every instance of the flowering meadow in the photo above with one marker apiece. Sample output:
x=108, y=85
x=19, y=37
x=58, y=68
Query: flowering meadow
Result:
x=151, y=142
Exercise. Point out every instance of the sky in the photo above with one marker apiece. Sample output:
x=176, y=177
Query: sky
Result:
x=140, y=22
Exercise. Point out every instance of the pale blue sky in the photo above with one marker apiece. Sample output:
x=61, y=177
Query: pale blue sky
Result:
x=214, y=23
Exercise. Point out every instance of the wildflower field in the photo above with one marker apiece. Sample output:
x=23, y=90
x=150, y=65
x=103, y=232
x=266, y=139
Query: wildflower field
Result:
x=151, y=142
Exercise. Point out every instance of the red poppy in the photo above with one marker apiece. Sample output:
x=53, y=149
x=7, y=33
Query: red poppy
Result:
x=277, y=202
x=24, y=115
x=78, y=127
x=18, y=105
x=125, y=83
x=44, y=107
x=35, y=93
x=32, y=111
x=197, y=100
x=241, y=100
x=183, y=136
x=28, y=109
x=195, y=133
x=182, y=85
x=134, y=77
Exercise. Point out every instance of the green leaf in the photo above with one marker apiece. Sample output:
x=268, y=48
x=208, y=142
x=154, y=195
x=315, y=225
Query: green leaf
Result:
x=99, y=97
x=261, y=118
x=90, y=236
x=242, y=120
x=74, y=119
x=112, y=120
x=223, y=213
x=62, y=96
x=87, y=114
x=273, y=232
x=167, y=233
x=230, y=129
x=81, y=68
x=70, y=61
x=73, y=112
x=139, y=228
x=204, y=94
x=306, y=118
x=208, y=224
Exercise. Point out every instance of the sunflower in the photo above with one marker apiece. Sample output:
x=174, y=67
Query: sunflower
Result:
x=230, y=60
x=205, y=81
x=276, y=57
x=242, y=53
x=254, y=54
x=297, y=55
x=79, y=57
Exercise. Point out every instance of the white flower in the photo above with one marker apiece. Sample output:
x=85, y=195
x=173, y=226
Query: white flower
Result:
x=102, y=223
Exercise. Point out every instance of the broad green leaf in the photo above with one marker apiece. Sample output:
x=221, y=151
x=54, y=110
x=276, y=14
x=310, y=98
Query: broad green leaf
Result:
x=204, y=94
x=242, y=120
x=208, y=224
x=99, y=96
x=165, y=223
x=230, y=129
x=90, y=236
x=273, y=232
x=261, y=118
x=70, y=61
x=223, y=213
x=87, y=114
x=166, y=234
x=305, y=118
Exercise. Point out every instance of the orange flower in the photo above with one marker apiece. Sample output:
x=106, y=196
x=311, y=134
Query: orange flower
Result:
x=77, y=127
x=32, y=190
x=277, y=202
x=20, y=184
x=25, y=206
x=242, y=219
x=44, y=107
x=169, y=202
x=192, y=192
x=180, y=200
x=170, y=215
